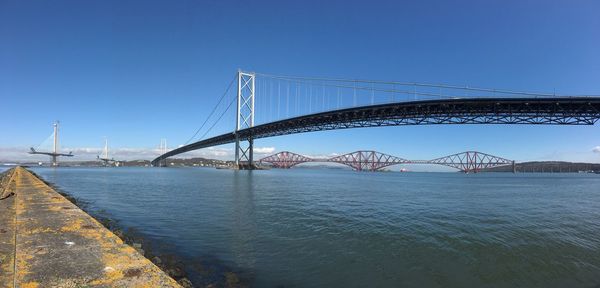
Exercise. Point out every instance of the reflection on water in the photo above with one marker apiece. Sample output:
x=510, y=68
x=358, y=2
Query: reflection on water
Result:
x=319, y=227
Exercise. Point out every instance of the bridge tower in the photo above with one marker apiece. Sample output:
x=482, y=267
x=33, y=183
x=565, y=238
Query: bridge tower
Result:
x=55, y=149
x=163, y=149
x=244, y=119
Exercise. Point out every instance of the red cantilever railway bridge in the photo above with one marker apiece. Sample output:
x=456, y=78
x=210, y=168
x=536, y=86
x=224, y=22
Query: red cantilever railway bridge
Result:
x=469, y=161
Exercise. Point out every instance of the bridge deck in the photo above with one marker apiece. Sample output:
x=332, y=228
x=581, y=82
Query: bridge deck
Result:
x=47, y=241
x=529, y=111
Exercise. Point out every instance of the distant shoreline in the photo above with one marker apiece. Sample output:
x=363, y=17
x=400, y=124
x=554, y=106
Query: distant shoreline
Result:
x=524, y=167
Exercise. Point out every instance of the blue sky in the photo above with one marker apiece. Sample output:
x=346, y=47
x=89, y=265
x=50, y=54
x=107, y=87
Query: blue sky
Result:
x=139, y=71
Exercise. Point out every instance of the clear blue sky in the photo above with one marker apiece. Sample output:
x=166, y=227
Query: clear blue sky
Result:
x=138, y=71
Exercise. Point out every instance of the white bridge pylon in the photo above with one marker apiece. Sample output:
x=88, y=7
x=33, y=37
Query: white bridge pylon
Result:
x=244, y=155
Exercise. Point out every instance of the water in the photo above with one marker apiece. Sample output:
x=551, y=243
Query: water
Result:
x=339, y=228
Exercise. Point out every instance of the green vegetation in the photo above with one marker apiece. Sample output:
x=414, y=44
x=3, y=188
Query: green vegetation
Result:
x=550, y=167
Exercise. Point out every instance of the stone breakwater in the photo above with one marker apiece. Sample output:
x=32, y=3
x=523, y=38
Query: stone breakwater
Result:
x=47, y=241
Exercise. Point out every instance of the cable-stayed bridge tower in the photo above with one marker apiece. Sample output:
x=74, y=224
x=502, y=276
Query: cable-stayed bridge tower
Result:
x=55, y=148
x=105, y=160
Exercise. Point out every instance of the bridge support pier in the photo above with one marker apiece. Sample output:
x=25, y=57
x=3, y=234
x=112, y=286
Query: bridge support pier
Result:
x=244, y=152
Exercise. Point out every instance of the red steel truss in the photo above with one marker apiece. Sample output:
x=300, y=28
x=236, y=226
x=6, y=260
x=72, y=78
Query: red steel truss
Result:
x=472, y=161
x=367, y=160
x=286, y=159
x=364, y=160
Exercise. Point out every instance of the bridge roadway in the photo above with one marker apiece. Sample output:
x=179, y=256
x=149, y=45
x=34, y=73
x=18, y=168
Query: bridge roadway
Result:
x=536, y=111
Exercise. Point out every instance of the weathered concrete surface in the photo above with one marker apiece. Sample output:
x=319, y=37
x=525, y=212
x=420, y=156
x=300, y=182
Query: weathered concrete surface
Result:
x=56, y=244
x=7, y=230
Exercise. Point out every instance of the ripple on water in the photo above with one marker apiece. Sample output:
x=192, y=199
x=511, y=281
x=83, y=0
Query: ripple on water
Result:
x=319, y=227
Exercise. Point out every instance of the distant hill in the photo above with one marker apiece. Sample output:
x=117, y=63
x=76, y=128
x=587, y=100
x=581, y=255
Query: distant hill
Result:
x=202, y=162
x=534, y=166
x=549, y=167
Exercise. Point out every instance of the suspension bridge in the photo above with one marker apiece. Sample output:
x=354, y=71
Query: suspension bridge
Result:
x=467, y=162
x=273, y=105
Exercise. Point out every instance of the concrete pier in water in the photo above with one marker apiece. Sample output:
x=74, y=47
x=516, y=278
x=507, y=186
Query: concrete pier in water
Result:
x=47, y=241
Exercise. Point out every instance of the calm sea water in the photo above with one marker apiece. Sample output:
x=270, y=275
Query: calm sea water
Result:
x=338, y=228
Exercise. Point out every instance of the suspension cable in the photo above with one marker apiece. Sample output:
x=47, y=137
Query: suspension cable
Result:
x=415, y=84
x=362, y=88
x=219, y=119
x=213, y=110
